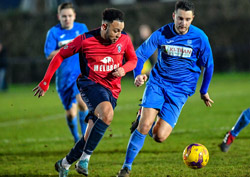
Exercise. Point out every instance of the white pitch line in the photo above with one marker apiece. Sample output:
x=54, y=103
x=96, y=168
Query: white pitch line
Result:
x=60, y=139
x=62, y=115
x=52, y=117
x=24, y=121
x=46, y=140
x=34, y=140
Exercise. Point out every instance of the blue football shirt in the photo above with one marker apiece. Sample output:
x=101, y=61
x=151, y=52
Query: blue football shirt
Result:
x=69, y=70
x=180, y=58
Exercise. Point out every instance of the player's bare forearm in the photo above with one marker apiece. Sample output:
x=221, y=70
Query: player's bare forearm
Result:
x=140, y=80
x=52, y=54
x=207, y=100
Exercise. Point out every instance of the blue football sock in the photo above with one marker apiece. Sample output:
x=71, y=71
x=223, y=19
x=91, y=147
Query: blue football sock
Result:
x=76, y=151
x=135, y=144
x=242, y=122
x=82, y=115
x=72, y=124
x=95, y=135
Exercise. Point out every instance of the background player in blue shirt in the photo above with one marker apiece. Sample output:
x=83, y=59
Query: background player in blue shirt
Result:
x=66, y=75
x=183, y=50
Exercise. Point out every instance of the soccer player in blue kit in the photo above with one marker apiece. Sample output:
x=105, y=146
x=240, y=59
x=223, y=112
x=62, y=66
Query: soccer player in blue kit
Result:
x=183, y=50
x=242, y=122
x=66, y=76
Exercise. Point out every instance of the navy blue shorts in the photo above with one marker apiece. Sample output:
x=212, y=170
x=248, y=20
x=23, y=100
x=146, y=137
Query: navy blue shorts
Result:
x=93, y=94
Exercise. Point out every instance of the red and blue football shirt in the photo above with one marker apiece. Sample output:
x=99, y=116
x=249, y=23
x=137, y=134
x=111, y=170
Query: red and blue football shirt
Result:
x=98, y=59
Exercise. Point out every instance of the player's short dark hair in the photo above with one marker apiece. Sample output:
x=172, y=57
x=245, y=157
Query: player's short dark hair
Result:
x=65, y=5
x=111, y=14
x=184, y=5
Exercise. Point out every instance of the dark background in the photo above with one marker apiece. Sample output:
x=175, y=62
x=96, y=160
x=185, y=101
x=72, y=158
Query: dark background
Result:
x=23, y=32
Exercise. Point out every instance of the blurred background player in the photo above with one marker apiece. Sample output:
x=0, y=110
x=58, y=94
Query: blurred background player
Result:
x=66, y=76
x=3, y=68
x=101, y=53
x=241, y=123
x=144, y=32
x=183, y=50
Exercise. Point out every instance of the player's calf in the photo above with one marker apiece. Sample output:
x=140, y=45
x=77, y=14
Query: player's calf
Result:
x=136, y=122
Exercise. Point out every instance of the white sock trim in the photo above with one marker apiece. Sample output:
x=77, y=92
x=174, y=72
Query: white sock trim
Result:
x=85, y=156
x=65, y=164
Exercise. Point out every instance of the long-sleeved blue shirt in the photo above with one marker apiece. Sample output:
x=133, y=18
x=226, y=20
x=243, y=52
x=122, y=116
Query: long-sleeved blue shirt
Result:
x=180, y=58
x=56, y=38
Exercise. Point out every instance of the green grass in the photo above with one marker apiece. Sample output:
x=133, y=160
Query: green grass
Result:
x=34, y=134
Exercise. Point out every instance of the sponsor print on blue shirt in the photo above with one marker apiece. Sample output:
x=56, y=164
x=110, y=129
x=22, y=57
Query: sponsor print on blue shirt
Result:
x=180, y=58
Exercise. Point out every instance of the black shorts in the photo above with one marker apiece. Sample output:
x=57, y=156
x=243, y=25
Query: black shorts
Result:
x=93, y=94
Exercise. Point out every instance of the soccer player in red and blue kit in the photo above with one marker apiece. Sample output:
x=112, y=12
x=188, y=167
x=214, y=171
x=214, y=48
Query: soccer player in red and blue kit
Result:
x=101, y=53
x=66, y=75
x=183, y=50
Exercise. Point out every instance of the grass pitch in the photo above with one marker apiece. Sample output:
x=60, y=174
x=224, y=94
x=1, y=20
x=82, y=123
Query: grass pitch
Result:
x=34, y=134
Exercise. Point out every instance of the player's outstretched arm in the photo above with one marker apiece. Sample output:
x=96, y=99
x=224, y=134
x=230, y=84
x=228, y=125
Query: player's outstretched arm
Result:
x=205, y=97
x=38, y=91
x=44, y=84
x=140, y=79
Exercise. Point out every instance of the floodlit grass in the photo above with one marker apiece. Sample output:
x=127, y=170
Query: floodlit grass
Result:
x=34, y=134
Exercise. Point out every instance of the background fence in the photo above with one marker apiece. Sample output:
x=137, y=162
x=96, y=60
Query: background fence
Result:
x=225, y=22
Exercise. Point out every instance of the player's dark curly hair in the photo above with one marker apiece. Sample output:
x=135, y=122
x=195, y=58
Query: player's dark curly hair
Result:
x=184, y=5
x=111, y=14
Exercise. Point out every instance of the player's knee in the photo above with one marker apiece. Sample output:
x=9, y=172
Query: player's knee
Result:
x=144, y=128
x=159, y=139
x=70, y=115
x=107, y=118
x=159, y=136
x=82, y=106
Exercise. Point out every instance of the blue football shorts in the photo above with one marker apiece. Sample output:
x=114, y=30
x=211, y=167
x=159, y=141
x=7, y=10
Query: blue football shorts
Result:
x=167, y=100
x=93, y=94
x=68, y=96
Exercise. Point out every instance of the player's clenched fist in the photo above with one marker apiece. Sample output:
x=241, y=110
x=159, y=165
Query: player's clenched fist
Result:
x=119, y=72
x=140, y=79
